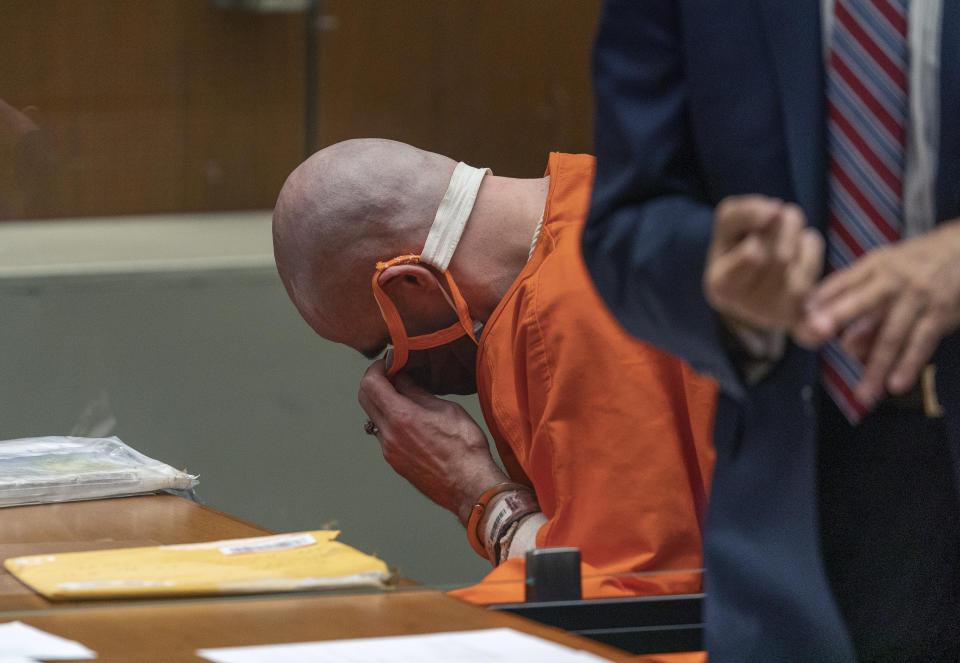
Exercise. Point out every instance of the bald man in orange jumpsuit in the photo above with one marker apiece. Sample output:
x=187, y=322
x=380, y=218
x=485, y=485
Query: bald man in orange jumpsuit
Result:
x=605, y=442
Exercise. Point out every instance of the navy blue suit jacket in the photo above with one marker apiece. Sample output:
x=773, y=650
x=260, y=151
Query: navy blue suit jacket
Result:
x=698, y=100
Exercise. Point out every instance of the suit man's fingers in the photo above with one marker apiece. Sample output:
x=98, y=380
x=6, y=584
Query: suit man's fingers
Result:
x=838, y=283
x=801, y=274
x=918, y=349
x=888, y=347
x=864, y=297
x=804, y=336
x=809, y=263
x=787, y=238
x=804, y=272
x=752, y=255
x=734, y=273
x=737, y=216
x=858, y=338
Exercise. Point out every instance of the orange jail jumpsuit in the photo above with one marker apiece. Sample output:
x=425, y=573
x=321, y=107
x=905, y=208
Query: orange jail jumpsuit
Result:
x=613, y=435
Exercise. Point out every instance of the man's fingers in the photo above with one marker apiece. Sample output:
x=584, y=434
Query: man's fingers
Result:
x=864, y=299
x=737, y=216
x=379, y=392
x=406, y=386
x=786, y=238
x=887, y=348
x=918, y=349
x=840, y=282
x=751, y=283
x=373, y=412
x=808, y=267
x=861, y=296
x=763, y=264
x=740, y=262
x=858, y=338
x=738, y=269
x=804, y=336
x=802, y=273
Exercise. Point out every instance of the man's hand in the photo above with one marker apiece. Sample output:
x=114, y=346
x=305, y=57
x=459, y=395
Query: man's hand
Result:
x=431, y=442
x=762, y=263
x=891, y=308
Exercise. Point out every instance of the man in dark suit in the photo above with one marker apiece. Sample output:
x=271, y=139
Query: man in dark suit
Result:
x=833, y=527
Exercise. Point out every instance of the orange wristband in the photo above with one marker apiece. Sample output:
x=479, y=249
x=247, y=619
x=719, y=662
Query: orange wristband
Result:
x=479, y=507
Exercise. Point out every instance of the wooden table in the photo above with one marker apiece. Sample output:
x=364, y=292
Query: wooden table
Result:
x=171, y=630
x=122, y=522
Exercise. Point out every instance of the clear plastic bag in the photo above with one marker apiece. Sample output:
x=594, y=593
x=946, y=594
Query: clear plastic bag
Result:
x=38, y=470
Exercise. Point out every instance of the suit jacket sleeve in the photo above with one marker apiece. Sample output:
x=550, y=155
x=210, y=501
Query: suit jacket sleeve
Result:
x=650, y=217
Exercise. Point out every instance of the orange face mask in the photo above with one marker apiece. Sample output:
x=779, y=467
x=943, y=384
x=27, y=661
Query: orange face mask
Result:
x=402, y=344
x=442, y=240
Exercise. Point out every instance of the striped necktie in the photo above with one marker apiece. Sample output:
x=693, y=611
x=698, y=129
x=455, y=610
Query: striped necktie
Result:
x=866, y=127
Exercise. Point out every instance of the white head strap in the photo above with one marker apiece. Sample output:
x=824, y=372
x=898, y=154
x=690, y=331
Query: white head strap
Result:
x=452, y=215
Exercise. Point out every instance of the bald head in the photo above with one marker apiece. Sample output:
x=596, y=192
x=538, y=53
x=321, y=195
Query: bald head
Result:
x=361, y=201
x=343, y=209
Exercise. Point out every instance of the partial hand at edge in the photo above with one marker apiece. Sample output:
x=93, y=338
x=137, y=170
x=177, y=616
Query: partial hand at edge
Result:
x=431, y=442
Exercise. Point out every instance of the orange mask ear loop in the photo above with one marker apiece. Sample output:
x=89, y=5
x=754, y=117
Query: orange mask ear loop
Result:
x=402, y=344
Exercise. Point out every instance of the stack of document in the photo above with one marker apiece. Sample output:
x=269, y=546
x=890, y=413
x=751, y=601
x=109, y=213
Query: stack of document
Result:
x=280, y=563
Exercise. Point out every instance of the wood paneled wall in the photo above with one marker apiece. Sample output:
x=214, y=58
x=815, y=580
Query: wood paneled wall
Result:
x=492, y=82
x=154, y=105
x=174, y=105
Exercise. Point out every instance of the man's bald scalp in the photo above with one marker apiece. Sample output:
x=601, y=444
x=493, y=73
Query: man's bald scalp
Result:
x=340, y=211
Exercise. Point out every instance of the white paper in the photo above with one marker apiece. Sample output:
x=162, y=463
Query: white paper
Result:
x=486, y=646
x=19, y=640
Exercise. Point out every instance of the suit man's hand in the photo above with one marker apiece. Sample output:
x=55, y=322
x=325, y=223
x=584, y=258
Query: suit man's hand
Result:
x=891, y=308
x=762, y=264
x=431, y=442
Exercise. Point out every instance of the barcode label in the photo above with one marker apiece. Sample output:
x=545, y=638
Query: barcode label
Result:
x=270, y=544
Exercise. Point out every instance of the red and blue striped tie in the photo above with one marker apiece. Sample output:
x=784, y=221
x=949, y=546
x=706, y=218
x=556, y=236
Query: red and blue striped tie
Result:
x=866, y=127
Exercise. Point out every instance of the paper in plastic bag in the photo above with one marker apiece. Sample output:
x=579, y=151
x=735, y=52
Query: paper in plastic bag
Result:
x=38, y=470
